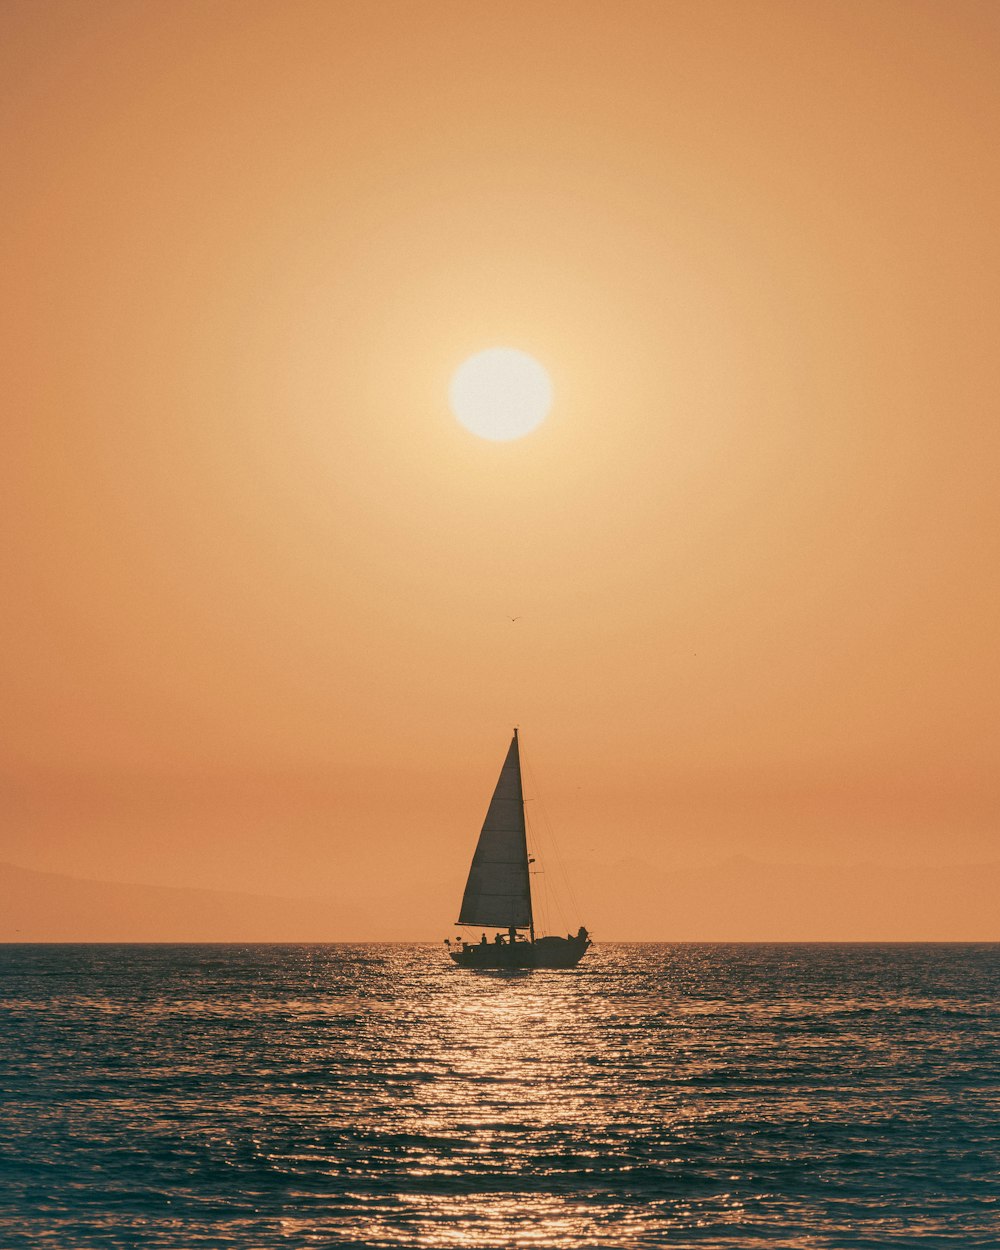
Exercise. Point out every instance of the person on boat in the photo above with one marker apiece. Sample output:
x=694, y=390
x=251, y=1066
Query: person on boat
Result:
x=582, y=934
x=499, y=939
x=482, y=940
x=512, y=934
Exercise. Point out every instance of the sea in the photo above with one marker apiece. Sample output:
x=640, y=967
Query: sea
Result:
x=378, y=1096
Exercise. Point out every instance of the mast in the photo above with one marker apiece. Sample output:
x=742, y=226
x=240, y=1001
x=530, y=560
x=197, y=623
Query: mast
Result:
x=524, y=825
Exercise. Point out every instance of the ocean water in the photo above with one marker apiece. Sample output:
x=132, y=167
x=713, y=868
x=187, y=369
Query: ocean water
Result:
x=377, y=1096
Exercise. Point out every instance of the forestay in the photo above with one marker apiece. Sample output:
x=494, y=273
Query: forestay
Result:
x=498, y=892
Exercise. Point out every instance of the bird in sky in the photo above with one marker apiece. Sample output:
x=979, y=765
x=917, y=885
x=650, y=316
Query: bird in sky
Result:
x=512, y=619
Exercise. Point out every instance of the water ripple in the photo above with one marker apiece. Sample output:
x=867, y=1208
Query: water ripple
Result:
x=726, y=1096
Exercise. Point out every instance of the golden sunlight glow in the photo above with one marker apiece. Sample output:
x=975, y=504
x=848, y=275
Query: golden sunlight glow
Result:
x=501, y=393
x=286, y=562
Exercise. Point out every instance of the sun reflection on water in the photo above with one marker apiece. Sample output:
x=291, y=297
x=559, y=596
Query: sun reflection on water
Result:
x=381, y=1097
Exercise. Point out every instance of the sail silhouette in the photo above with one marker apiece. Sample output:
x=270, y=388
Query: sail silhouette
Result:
x=498, y=891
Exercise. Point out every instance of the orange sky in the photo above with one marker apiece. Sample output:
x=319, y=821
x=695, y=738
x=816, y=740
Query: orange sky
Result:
x=257, y=580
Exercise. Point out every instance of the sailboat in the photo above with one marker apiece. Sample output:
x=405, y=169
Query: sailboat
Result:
x=498, y=892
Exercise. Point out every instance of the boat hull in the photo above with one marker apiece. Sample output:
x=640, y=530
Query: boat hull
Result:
x=547, y=952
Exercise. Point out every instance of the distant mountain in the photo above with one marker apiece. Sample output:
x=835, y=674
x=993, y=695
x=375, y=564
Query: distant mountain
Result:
x=50, y=907
x=742, y=899
x=737, y=900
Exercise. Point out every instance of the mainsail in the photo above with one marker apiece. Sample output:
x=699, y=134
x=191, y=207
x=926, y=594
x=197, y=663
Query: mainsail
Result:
x=498, y=892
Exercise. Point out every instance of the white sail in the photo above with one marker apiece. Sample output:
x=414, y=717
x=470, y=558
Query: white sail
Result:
x=498, y=892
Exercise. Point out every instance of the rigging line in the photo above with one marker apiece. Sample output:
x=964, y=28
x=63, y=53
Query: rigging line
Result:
x=547, y=894
x=550, y=834
x=541, y=895
x=560, y=862
x=550, y=886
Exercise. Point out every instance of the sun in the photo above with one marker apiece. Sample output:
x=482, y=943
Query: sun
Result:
x=500, y=394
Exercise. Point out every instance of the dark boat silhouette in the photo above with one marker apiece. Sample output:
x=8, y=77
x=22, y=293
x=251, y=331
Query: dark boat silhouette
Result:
x=498, y=892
